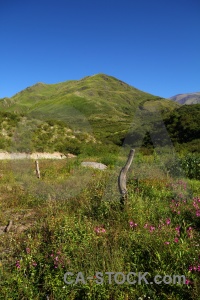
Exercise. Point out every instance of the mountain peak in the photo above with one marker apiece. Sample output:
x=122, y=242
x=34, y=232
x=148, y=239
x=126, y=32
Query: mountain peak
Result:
x=188, y=98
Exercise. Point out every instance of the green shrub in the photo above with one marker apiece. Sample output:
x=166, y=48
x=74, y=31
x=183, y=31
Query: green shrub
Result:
x=191, y=165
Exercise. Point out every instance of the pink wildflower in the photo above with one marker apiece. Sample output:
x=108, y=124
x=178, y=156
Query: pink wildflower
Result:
x=195, y=205
x=198, y=213
x=34, y=264
x=178, y=230
x=18, y=264
x=187, y=281
x=168, y=221
x=190, y=268
x=176, y=240
x=99, y=229
x=194, y=268
x=132, y=224
x=28, y=250
x=152, y=228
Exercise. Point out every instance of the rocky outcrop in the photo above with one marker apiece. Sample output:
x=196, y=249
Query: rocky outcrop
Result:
x=94, y=165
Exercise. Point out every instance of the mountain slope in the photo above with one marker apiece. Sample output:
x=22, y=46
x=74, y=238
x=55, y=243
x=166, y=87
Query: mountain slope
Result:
x=190, y=98
x=99, y=103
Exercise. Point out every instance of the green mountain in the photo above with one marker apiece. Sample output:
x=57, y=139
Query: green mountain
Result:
x=99, y=104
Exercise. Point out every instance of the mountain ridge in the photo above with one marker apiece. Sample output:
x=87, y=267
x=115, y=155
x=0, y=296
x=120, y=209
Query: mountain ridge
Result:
x=93, y=96
x=187, y=98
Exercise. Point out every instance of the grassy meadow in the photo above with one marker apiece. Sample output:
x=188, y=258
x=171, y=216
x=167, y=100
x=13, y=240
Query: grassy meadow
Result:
x=70, y=220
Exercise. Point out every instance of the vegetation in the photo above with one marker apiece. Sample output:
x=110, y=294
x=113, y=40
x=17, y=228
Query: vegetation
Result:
x=183, y=126
x=71, y=220
x=22, y=134
x=99, y=104
x=178, y=128
x=73, y=225
x=97, y=109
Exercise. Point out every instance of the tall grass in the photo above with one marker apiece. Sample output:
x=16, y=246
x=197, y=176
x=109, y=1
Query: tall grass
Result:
x=71, y=221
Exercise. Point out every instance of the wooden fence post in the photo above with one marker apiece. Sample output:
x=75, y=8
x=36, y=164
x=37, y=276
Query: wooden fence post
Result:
x=122, y=177
x=7, y=228
x=37, y=168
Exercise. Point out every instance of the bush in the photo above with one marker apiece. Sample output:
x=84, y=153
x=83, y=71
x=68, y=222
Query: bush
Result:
x=191, y=165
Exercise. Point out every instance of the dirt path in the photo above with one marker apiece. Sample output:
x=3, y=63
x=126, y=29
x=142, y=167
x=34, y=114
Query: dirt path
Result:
x=35, y=155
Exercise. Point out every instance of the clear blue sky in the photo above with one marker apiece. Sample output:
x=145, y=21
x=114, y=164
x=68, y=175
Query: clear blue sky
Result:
x=152, y=45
